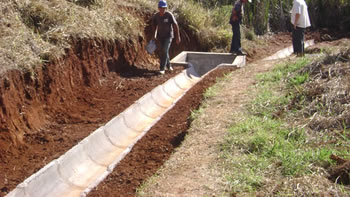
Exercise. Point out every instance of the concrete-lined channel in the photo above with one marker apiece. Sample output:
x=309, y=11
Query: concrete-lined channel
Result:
x=83, y=167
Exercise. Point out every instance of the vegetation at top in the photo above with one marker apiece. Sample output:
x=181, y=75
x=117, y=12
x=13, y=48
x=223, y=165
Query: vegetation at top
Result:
x=35, y=31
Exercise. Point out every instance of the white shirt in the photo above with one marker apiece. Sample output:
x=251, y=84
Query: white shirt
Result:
x=300, y=7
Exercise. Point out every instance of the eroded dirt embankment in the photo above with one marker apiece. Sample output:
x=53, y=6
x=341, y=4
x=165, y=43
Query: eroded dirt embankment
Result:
x=30, y=100
x=46, y=112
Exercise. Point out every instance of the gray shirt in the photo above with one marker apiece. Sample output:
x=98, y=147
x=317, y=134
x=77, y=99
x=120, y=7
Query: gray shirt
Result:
x=164, y=24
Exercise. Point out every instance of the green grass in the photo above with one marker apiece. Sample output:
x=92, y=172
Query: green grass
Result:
x=208, y=94
x=209, y=26
x=282, y=71
x=264, y=146
x=213, y=90
x=269, y=139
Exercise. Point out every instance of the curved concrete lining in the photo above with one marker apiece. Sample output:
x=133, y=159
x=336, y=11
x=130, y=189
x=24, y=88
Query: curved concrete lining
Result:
x=84, y=166
x=288, y=51
x=204, y=62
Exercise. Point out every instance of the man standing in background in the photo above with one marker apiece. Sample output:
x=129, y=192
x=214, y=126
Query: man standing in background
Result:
x=300, y=20
x=235, y=21
x=163, y=26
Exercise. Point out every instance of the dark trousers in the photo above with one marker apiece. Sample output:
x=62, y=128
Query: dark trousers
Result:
x=236, y=37
x=164, y=53
x=298, y=40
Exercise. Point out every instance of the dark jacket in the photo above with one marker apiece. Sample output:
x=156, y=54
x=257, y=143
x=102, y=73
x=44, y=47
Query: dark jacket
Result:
x=238, y=8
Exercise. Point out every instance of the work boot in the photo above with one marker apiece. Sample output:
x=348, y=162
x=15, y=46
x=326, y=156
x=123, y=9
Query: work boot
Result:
x=239, y=52
x=169, y=67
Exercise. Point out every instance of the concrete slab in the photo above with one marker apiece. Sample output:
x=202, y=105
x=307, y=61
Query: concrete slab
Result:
x=204, y=62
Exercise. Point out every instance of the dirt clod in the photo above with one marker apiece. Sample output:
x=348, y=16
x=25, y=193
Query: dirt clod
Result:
x=341, y=172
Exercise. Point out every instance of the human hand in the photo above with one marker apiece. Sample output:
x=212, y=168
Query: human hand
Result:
x=178, y=40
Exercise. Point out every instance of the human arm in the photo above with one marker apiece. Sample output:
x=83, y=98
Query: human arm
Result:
x=177, y=33
x=154, y=28
x=296, y=13
x=175, y=27
x=297, y=16
x=234, y=15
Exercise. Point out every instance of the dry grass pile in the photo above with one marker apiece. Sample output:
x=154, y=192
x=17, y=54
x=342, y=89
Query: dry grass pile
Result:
x=294, y=139
x=33, y=32
x=328, y=92
x=213, y=32
x=325, y=108
x=20, y=47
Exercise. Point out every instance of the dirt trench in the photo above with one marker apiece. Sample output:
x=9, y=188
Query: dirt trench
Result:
x=45, y=113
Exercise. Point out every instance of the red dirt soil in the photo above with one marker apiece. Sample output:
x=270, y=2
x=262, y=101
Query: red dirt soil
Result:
x=148, y=155
x=45, y=115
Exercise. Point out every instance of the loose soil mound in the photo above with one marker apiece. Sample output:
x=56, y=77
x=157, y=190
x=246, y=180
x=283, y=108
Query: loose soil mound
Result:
x=341, y=172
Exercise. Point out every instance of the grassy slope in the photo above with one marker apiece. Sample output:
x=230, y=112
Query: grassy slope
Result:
x=297, y=120
x=33, y=32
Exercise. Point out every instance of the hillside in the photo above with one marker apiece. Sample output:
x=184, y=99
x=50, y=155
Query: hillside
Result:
x=51, y=105
x=66, y=73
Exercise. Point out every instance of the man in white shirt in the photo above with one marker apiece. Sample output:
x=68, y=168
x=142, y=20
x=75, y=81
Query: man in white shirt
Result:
x=300, y=20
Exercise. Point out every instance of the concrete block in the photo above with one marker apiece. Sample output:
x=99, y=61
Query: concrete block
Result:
x=161, y=98
x=100, y=149
x=239, y=61
x=47, y=182
x=19, y=191
x=180, y=58
x=76, y=168
x=288, y=51
x=118, y=133
x=191, y=74
x=149, y=106
x=136, y=119
x=171, y=89
x=182, y=81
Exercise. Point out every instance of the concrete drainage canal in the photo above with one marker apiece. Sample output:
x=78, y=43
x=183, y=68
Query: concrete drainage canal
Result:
x=83, y=167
